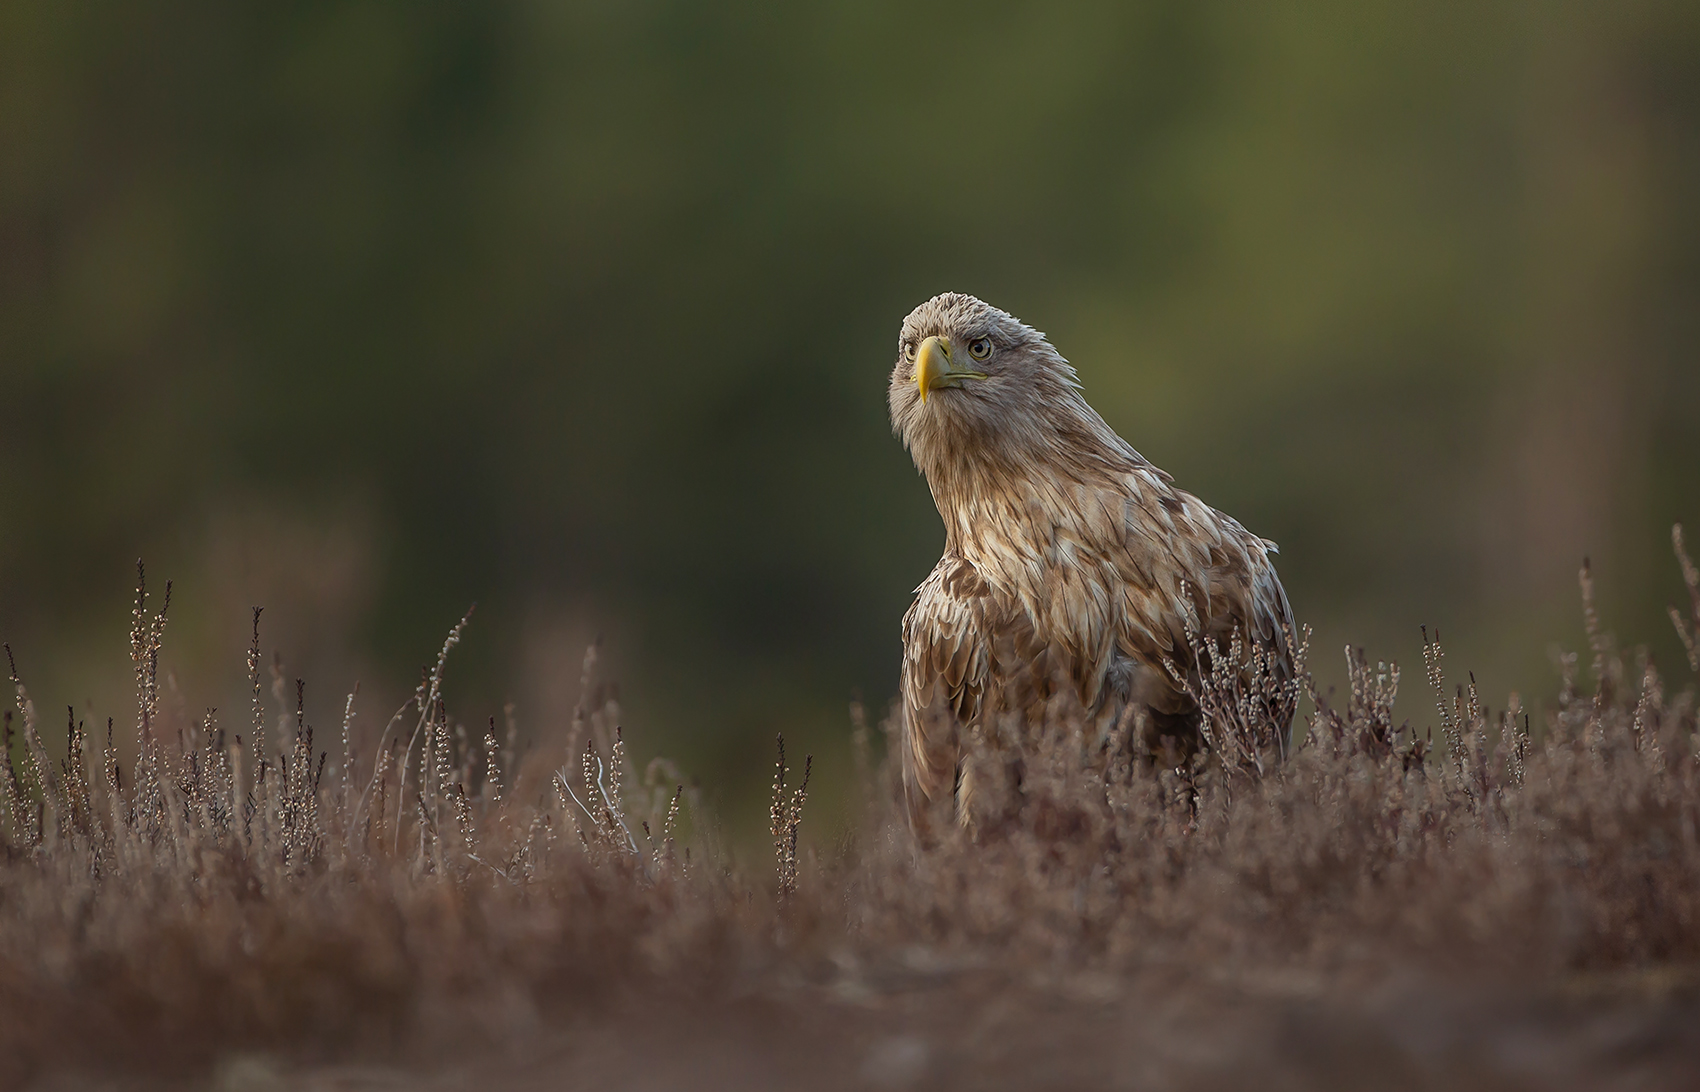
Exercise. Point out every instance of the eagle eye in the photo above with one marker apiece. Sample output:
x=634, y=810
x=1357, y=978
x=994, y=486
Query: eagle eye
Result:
x=909, y=350
x=980, y=348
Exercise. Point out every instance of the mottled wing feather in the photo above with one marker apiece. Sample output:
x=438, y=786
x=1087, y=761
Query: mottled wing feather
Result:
x=946, y=652
x=1131, y=571
x=1187, y=565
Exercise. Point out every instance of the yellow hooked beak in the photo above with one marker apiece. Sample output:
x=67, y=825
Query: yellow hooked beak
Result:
x=933, y=368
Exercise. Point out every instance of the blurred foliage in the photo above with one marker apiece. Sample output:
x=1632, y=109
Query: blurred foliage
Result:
x=584, y=311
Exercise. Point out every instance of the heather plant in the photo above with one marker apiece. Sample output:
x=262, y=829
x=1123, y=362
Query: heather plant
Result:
x=221, y=892
x=436, y=888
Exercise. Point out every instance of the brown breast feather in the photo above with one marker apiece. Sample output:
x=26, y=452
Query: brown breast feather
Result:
x=1129, y=563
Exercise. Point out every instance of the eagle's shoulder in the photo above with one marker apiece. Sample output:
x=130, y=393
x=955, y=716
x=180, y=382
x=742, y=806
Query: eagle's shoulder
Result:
x=1188, y=566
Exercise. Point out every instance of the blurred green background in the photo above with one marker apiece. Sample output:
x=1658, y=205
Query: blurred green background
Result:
x=583, y=311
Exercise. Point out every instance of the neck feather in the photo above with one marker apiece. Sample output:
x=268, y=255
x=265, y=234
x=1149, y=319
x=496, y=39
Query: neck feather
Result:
x=1005, y=494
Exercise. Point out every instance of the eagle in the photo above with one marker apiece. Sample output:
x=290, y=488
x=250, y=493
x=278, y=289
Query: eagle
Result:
x=1071, y=563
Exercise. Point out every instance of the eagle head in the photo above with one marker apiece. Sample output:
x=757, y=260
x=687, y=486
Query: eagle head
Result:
x=973, y=384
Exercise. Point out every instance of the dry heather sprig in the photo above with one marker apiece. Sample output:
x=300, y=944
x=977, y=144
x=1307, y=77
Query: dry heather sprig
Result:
x=1607, y=666
x=78, y=798
x=48, y=828
x=605, y=831
x=581, y=711
x=371, y=813
x=665, y=810
x=1687, y=629
x=669, y=828
x=257, y=712
x=492, y=788
x=11, y=795
x=1649, y=709
x=1245, y=693
x=785, y=815
x=1365, y=727
x=425, y=700
x=593, y=798
x=345, y=775
x=1469, y=770
x=299, y=781
x=1451, y=731
x=147, y=633
x=1513, y=748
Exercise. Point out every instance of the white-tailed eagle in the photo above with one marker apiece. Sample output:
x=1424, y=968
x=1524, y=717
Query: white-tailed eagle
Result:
x=1069, y=559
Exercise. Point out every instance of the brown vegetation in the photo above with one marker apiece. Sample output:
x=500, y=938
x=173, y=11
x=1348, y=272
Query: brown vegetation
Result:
x=231, y=895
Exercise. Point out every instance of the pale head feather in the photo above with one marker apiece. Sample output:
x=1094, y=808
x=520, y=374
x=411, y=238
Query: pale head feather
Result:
x=1026, y=422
